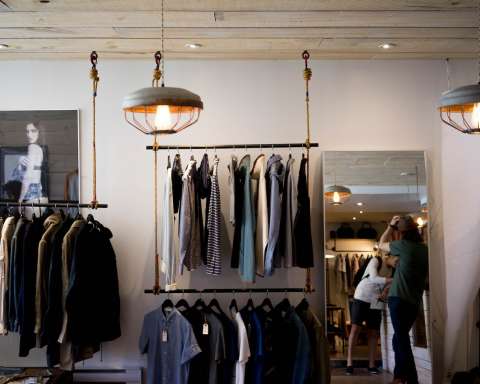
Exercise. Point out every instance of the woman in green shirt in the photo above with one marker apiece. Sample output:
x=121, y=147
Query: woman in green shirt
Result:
x=406, y=291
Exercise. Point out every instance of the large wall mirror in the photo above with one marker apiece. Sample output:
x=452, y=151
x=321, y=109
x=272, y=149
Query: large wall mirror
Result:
x=363, y=192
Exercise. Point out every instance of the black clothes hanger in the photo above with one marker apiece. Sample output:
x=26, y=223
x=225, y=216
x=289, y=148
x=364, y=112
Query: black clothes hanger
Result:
x=182, y=304
x=284, y=305
x=267, y=304
x=214, y=304
x=303, y=305
x=200, y=304
x=250, y=305
x=167, y=305
x=233, y=307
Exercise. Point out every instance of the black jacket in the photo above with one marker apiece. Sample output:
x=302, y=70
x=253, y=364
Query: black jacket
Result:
x=302, y=231
x=93, y=302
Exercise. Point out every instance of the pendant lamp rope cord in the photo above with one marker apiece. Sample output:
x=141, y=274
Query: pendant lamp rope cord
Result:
x=95, y=79
x=156, y=287
x=307, y=75
x=163, y=44
x=478, y=36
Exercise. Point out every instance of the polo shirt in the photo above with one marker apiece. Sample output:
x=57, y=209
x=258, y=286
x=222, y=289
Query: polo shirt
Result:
x=170, y=344
x=411, y=273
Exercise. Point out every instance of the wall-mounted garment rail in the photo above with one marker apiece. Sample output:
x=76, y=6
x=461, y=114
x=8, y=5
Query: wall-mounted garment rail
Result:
x=234, y=146
x=233, y=290
x=53, y=204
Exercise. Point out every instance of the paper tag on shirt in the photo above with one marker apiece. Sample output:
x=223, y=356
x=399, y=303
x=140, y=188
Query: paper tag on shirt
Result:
x=205, y=329
x=164, y=336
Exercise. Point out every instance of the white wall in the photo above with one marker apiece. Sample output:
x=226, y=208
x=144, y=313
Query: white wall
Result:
x=356, y=105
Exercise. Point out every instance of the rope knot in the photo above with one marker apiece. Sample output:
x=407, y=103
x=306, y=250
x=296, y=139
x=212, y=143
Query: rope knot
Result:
x=307, y=74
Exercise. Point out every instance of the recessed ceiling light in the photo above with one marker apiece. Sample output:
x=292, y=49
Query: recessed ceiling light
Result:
x=387, y=45
x=354, y=218
x=360, y=204
x=361, y=212
x=4, y=46
x=193, y=45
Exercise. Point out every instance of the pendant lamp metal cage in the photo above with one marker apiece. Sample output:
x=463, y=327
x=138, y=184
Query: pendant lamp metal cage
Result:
x=460, y=107
x=337, y=194
x=159, y=109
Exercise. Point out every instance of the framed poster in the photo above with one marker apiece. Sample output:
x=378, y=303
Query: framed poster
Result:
x=39, y=156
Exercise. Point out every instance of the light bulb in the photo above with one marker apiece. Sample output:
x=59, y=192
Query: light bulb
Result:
x=336, y=198
x=163, y=118
x=420, y=222
x=476, y=116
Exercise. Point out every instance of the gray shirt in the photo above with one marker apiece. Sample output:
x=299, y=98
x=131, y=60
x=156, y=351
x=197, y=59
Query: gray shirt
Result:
x=170, y=344
x=216, y=338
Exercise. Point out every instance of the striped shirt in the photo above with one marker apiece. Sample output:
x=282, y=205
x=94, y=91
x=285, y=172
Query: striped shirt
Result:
x=214, y=263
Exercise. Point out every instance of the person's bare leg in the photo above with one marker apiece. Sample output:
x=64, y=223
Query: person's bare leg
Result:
x=352, y=341
x=372, y=347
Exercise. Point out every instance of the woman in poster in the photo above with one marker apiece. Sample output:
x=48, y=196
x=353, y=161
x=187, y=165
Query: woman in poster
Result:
x=29, y=169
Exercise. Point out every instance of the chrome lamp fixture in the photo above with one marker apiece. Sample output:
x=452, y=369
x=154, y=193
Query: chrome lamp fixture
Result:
x=460, y=107
x=160, y=109
x=337, y=194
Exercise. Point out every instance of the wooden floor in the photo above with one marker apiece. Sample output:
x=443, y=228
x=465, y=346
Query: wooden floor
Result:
x=361, y=377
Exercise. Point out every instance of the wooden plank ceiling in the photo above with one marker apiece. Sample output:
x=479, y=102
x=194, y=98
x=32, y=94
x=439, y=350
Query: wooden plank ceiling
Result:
x=233, y=29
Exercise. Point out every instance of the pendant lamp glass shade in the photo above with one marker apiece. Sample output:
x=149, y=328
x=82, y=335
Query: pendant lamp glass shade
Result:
x=337, y=194
x=162, y=110
x=460, y=108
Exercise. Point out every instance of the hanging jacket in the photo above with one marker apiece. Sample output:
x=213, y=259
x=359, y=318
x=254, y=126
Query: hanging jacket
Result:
x=239, y=180
x=274, y=174
x=15, y=276
x=261, y=213
x=33, y=234
x=214, y=262
x=8, y=229
x=232, y=167
x=51, y=224
x=302, y=225
x=169, y=236
x=177, y=182
x=247, y=239
x=93, y=300
x=289, y=210
x=202, y=191
x=190, y=222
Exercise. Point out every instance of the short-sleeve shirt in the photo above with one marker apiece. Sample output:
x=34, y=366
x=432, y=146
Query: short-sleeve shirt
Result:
x=170, y=344
x=218, y=353
x=411, y=274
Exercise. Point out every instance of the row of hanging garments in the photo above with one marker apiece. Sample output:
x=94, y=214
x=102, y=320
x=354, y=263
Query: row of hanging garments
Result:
x=202, y=344
x=270, y=213
x=346, y=267
x=58, y=285
x=269, y=209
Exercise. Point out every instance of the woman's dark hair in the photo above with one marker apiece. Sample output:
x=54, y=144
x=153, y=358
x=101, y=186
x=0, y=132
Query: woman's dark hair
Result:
x=412, y=235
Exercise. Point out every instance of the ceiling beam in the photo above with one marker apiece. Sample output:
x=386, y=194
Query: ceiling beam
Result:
x=235, y=33
x=235, y=5
x=68, y=19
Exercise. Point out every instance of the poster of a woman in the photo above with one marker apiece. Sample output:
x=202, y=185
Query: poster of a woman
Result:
x=38, y=153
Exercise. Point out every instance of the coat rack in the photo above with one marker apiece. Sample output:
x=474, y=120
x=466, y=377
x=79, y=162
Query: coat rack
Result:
x=232, y=290
x=307, y=75
x=94, y=204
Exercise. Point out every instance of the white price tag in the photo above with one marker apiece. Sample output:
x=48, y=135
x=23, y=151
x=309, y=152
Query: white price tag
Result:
x=205, y=329
x=164, y=336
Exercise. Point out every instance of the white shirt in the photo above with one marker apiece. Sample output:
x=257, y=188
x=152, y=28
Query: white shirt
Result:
x=371, y=285
x=243, y=350
x=169, y=236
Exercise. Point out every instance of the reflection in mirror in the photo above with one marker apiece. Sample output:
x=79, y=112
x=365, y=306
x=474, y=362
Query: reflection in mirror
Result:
x=369, y=259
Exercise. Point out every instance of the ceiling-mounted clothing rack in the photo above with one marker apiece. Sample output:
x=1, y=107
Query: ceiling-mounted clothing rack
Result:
x=53, y=204
x=233, y=146
x=232, y=290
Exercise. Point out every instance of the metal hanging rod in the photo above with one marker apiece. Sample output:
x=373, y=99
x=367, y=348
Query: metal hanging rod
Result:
x=233, y=146
x=58, y=204
x=232, y=290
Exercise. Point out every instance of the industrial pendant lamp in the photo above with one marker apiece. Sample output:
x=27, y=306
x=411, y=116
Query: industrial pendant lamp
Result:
x=337, y=194
x=160, y=109
x=460, y=107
